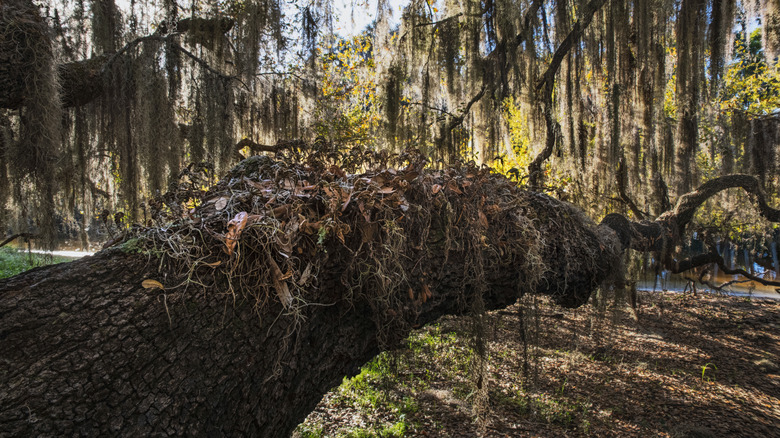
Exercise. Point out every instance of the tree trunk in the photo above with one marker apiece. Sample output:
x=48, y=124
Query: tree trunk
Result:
x=87, y=350
x=91, y=348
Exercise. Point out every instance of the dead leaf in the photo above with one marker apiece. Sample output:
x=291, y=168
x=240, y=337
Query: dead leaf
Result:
x=411, y=294
x=453, y=186
x=427, y=291
x=410, y=175
x=282, y=291
x=235, y=227
x=386, y=190
x=214, y=264
x=152, y=284
x=221, y=203
x=305, y=276
x=346, y=203
x=436, y=188
x=253, y=218
x=380, y=179
x=288, y=184
x=492, y=209
x=483, y=219
x=282, y=211
x=337, y=171
x=340, y=235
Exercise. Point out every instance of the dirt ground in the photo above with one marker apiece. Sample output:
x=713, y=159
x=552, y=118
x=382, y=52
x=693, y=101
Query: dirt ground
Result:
x=681, y=366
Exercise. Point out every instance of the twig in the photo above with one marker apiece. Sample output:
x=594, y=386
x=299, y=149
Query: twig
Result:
x=167, y=39
x=443, y=20
x=432, y=108
x=257, y=147
x=457, y=120
x=16, y=236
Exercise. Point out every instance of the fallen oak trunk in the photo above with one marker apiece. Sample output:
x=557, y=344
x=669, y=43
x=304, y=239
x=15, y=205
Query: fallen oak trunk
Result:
x=86, y=349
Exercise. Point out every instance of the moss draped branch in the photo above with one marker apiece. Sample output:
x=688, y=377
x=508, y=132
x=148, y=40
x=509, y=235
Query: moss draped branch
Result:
x=85, y=80
x=664, y=233
x=546, y=85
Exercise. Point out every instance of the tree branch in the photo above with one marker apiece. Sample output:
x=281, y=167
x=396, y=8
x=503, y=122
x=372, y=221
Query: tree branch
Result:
x=665, y=233
x=83, y=81
x=456, y=121
x=548, y=78
x=622, y=178
x=529, y=14
x=16, y=236
x=444, y=20
x=257, y=147
x=546, y=85
x=713, y=257
x=688, y=203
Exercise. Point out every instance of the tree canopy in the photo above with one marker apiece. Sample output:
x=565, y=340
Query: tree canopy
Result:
x=618, y=105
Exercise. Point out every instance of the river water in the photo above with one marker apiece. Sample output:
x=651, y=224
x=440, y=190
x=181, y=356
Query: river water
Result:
x=667, y=281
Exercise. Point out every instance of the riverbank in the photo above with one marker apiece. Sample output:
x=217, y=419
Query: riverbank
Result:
x=681, y=366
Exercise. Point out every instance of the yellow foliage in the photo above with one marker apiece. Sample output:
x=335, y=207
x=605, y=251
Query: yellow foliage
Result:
x=514, y=163
x=346, y=108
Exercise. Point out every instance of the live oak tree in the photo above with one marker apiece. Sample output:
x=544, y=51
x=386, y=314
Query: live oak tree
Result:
x=624, y=103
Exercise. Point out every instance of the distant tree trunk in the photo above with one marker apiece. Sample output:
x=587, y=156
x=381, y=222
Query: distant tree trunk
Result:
x=690, y=69
x=85, y=80
x=771, y=32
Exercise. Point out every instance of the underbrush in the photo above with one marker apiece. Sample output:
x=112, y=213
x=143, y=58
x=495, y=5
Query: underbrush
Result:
x=13, y=262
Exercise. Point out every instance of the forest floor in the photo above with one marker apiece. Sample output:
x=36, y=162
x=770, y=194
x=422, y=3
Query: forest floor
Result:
x=684, y=366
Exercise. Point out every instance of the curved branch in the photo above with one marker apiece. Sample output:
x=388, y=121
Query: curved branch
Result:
x=458, y=120
x=663, y=234
x=257, y=147
x=529, y=14
x=548, y=78
x=688, y=203
x=16, y=236
x=713, y=257
x=546, y=85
